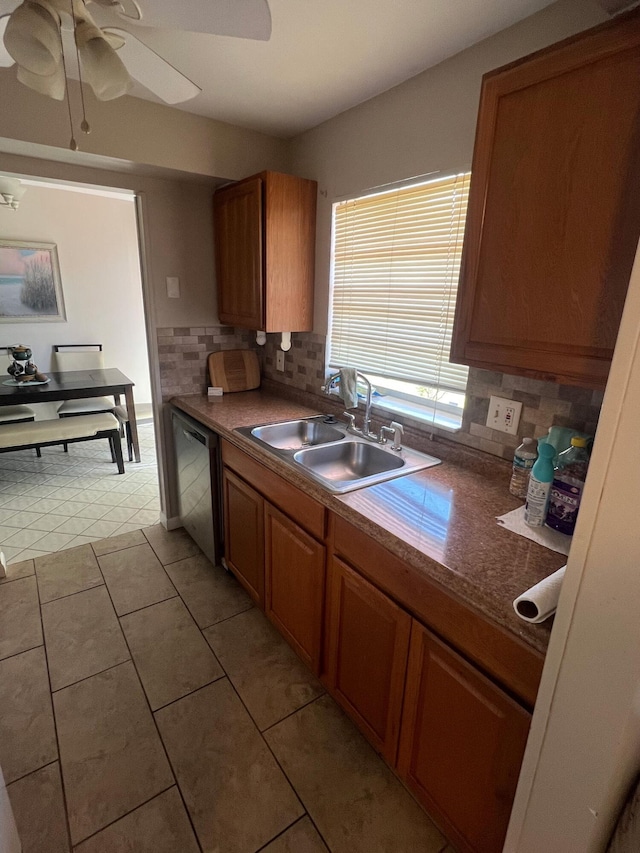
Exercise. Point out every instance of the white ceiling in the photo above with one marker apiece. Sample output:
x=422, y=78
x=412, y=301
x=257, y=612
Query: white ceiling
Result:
x=324, y=56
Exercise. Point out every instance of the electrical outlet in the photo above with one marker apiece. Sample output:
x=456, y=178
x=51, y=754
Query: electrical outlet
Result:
x=504, y=415
x=280, y=361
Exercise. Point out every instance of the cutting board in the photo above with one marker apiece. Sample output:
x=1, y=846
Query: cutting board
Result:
x=234, y=370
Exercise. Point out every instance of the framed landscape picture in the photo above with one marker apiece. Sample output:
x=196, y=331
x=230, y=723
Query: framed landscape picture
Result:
x=30, y=288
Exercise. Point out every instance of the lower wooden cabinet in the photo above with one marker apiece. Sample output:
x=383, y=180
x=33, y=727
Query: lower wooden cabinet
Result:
x=295, y=573
x=454, y=736
x=244, y=534
x=461, y=745
x=367, y=645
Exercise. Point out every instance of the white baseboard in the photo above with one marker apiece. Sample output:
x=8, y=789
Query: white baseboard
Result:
x=170, y=523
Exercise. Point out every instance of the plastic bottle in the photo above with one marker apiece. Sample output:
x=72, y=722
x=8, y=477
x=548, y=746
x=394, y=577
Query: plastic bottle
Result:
x=567, y=486
x=540, y=480
x=523, y=459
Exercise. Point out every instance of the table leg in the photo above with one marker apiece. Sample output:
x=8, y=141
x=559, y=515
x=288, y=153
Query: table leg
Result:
x=131, y=412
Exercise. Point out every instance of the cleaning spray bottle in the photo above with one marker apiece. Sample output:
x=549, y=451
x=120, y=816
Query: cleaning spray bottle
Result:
x=535, y=509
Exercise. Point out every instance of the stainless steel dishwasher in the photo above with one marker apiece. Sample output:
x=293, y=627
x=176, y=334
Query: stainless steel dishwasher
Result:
x=197, y=458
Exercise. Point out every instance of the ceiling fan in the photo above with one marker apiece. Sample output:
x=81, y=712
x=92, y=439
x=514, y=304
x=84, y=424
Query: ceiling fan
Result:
x=46, y=39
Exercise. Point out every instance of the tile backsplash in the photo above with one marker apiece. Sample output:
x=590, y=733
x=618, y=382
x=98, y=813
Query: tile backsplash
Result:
x=183, y=354
x=545, y=404
x=303, y=363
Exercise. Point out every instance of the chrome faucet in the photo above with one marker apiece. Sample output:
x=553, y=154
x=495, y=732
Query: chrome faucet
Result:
x=365, y=431
x=396, y=429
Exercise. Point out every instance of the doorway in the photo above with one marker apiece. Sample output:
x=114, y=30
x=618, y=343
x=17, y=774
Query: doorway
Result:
x=63, y=500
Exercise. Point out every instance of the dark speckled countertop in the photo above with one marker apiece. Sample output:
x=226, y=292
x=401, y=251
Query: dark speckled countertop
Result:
x=441, y=521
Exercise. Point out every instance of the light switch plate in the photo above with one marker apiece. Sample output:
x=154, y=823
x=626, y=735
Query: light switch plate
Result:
x=173, y=287
x=280, y=361
x=504, y=415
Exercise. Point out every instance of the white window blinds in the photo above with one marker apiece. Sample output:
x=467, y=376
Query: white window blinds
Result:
x=395, y=276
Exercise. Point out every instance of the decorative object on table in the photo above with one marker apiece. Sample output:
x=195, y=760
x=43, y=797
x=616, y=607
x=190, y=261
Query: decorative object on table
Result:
x=540, y=601
x=30, y=288
x=13, y=383
x=22, y=368
x=523, y=461
x=540, y=479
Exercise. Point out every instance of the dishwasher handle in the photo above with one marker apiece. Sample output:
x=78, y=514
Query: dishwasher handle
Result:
x=189, y=434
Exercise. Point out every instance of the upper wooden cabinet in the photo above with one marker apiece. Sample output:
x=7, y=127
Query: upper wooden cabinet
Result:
x=265, y=228
x=554, y=209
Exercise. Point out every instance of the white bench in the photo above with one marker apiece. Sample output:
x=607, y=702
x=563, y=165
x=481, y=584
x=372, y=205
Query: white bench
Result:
x=18, y=436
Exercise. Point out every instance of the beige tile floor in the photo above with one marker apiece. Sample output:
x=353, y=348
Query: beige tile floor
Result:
x=68, y=499
x=146, y=706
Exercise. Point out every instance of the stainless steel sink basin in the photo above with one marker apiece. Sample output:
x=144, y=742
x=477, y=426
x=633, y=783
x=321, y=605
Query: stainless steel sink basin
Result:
x=350, y=460
x=337, y=460
x=294, y=435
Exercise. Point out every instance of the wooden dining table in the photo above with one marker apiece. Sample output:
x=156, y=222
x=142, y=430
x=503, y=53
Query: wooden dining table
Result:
x=76, y=385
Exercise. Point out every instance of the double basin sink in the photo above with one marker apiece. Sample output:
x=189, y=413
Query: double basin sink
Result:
x=341, y=462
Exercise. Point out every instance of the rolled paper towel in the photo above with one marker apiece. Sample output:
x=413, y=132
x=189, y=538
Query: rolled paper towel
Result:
x=540, y=602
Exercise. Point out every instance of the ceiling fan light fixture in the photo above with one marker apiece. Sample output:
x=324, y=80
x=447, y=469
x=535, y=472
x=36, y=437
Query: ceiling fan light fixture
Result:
x=32, y=37
x=102, y=68
x=51, y=85
x=11, y=192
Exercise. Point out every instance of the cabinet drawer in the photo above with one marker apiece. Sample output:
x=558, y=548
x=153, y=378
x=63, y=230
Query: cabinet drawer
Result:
x=516, y=665
x=309, y=514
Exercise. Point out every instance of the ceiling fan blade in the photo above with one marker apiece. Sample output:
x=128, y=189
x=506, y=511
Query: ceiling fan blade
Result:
x=249, y=19
x=154, y=72
x=6, y=60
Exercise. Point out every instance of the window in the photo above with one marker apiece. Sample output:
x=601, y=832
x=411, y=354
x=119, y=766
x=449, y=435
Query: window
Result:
x=396, y=261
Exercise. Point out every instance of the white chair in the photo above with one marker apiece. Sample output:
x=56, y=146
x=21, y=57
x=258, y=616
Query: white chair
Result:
x=82, y=357
x=18, y=415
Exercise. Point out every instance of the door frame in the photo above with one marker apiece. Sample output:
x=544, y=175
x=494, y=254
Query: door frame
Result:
x=584, y=746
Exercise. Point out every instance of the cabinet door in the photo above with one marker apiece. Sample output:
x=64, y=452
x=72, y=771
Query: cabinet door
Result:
x=367, y=645
x=295, y=570
x=554, y=210
x=289, y=245
x=238, y=246
x=244, y=534
x=461, y=744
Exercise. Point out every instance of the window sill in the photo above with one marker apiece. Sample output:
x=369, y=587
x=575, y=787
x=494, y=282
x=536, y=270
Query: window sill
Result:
x=425, y=415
